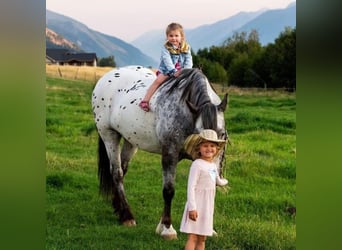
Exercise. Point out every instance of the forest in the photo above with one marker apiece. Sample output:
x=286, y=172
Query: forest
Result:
x=243, y=62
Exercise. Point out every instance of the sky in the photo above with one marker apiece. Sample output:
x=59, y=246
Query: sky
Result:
x=128, y=19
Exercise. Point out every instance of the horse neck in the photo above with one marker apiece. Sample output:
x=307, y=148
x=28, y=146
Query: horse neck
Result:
x=200, y=97
x=193, y=86
x=199, y=92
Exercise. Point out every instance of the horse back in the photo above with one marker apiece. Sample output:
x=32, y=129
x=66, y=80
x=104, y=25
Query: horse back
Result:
x=115, y=103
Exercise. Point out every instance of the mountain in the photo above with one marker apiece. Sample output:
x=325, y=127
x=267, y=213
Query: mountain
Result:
x=201, y=37
x=151, y=43
x=91, y=41
x=268, y=23
x=145, y=50
x=271, y=23
x=213, y=34
x=56, y=41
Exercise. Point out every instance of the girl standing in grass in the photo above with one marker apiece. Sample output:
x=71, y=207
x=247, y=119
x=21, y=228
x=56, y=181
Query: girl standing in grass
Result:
x=175, y=55
x=198, y=216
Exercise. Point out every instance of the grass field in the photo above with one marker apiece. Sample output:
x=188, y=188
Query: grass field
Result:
x=252, y=214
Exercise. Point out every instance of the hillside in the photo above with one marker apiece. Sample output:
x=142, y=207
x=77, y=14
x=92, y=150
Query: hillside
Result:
x=145, y=50
x=54, y=40
x=89, y=40
x=201, y=37
x=268, y=23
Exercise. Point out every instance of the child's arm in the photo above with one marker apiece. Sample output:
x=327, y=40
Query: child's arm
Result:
x=167, y=61
x=188, y=63
x=192, y=182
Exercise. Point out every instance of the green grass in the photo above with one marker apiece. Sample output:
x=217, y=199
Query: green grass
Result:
x=250, y=214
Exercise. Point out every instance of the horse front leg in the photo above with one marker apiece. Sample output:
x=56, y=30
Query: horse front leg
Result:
x=164, y=227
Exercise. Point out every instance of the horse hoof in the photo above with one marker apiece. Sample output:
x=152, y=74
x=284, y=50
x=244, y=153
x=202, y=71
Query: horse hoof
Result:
x=170, y=237
x=215, y=233
x=159, y=228
x=169, y=233
x=129, y=223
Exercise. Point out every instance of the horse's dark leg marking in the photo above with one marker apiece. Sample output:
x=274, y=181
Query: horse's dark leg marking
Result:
x=120, y=204
x=169, y=163
x=168, y=193
x=119, y=201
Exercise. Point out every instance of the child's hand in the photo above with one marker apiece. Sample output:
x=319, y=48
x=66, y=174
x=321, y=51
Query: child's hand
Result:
x=193, y=215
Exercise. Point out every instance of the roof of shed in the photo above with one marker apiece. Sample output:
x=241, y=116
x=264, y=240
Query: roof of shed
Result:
x=64, y=55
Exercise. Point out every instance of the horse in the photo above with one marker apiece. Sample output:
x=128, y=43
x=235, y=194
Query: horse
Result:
x=181, y=106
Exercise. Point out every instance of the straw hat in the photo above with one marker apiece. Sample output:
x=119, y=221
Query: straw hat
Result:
x=191, y=143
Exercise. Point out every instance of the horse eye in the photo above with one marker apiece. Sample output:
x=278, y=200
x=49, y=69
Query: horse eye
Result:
x=223, y=135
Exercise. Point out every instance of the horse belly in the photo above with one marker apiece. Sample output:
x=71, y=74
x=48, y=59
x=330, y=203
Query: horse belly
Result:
x=137, y=127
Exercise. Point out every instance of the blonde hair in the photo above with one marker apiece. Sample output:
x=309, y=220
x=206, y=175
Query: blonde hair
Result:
x=175, y=26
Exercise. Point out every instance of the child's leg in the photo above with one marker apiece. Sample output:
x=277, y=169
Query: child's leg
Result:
x=191, y=242
x=200, y=245
x=159, y=80
x=144, y=104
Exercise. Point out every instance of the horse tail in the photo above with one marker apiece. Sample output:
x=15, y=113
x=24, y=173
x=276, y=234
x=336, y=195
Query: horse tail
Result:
x=104, y=174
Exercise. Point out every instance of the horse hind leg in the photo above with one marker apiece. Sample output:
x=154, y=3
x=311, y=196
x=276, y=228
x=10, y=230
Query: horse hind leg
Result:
x=120, y=204
x=127, y=152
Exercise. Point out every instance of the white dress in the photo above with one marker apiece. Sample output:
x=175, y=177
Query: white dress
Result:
x=201, y=197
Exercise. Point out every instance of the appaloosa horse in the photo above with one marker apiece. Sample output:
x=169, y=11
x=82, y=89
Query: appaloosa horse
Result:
x=181, y=106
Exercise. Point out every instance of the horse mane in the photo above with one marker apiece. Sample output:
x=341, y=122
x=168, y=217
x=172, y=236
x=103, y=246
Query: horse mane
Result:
x=209, y=114
x=195, y=91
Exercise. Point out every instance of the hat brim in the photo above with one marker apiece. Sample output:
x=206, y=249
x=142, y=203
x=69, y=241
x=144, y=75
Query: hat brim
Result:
x=192, y=141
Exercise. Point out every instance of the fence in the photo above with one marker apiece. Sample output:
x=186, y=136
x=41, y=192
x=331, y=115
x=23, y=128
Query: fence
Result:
x=83, y=73
x=93, y=74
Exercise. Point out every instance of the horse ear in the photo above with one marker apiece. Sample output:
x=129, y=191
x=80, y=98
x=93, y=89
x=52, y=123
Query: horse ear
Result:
x=192, y=107
x=223, y=105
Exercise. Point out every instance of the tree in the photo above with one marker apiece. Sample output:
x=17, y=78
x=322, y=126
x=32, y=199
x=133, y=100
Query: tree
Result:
x=237, y=70
x=281, y=60
x=242, y=49
x=248, y=64
x=107, y=62
x=213, y=70
x=216, y=73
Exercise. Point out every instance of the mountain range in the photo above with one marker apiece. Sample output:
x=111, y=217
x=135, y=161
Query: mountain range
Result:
x=88, y=40
x=268, y=23
x=63, y=31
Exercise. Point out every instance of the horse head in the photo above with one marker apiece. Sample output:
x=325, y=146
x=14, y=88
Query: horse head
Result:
x=211, y=116
x=205, y=105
